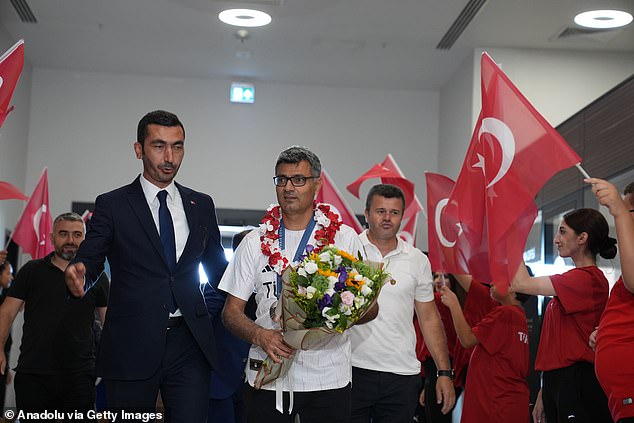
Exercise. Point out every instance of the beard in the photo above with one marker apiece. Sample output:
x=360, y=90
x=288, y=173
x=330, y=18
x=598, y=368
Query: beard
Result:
x=66, y=255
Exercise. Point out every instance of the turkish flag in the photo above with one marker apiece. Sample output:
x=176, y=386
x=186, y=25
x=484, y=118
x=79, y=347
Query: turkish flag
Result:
x=443, y=230
x=11, y=64
x=33, y=230
x=408, y=230
x=414, y=206
x=387, y=176
x=514, y=151
x=328, y=193
x=10, y=192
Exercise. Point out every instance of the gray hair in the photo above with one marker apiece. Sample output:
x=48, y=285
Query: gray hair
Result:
x=69, y=217
x=296, y=154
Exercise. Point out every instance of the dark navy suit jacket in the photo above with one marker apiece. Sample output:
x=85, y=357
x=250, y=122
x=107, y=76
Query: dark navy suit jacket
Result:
x=228, y=376
x=122, y=229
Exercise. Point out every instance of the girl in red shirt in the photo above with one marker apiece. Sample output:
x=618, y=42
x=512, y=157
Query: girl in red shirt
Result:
x=570, y=390
x=496, y=390
x=615, y=338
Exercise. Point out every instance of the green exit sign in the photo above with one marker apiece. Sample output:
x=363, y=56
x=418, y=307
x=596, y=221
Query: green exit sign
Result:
x=242, y=92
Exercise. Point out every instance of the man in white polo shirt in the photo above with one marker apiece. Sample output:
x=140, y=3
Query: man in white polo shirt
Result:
x=317, y=385
x=385, y=372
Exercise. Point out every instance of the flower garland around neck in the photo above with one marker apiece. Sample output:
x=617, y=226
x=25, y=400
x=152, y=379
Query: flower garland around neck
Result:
x=327, y=224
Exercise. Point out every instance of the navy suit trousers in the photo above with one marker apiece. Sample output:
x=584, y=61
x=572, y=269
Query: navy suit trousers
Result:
x=182, y=379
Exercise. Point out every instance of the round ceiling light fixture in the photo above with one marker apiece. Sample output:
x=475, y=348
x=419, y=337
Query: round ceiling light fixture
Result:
x=603, y=19
x=244, y=17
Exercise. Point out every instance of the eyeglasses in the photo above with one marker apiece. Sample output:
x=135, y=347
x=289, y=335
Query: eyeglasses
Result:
x=297, y=181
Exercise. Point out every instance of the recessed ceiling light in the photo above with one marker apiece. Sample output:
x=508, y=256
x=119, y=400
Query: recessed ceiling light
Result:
x=603, y=19
x=244, y=17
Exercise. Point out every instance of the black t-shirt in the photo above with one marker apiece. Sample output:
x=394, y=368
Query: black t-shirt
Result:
x=57, y=336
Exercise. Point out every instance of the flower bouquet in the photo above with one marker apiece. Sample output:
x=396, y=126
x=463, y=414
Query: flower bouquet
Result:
x=327, y=293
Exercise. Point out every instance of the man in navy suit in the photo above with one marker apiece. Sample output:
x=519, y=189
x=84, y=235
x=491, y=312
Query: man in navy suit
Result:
x=154, y=232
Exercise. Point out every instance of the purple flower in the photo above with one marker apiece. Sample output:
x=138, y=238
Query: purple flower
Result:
x=324, y=302
x=340, y=286
x=343, y=275
x=310, y=248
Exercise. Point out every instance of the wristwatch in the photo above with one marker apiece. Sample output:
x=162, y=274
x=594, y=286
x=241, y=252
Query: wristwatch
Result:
x=449, y=373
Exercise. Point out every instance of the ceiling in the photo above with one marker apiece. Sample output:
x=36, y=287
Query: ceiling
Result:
x=387, y=44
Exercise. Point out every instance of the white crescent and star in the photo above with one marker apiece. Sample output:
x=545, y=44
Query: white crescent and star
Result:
x=504, y=136
x=437, y=213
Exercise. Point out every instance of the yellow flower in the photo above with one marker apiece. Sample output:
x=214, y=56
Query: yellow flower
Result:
x=327, y=273
x=348, y=256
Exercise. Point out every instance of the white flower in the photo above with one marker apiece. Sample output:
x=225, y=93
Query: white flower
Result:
x=310, y=267
x=302, y=272
x=330, y=292
x=358, y=277
x=310, y=292
x=330, y=320
x=368, y=281
x=324, y=257
x=345, y=309
x=322, y=219
x=359, y=301
x=365, y=290
x=338, y=260
x=332, y=281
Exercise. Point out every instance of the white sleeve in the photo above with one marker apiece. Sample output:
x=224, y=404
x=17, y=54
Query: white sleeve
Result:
x=424, y=281
x=239, y=278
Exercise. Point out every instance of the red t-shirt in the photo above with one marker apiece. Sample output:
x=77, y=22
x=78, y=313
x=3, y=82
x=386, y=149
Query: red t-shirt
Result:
x=476, y=306
x=570, y=317
x=422, y=352
x=496, y=389
x=615, y=345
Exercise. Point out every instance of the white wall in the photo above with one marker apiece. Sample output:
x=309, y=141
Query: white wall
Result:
x=13, y=142
x=83, y=124
x=457, y=117
x=557, y=83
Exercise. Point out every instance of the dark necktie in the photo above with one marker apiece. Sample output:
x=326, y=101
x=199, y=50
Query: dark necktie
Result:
x=166, y=230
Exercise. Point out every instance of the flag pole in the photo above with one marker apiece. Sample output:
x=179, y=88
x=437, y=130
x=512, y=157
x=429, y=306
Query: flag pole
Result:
x=582, y=171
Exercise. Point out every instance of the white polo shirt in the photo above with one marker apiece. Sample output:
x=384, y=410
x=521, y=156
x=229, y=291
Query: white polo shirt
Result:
x=388, y=343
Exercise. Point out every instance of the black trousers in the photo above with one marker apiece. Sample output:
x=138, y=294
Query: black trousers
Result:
x=183, y=380
x=64, y=393
x=383, y=397
x=433, y=411
x=332, y=405
x=573, y=394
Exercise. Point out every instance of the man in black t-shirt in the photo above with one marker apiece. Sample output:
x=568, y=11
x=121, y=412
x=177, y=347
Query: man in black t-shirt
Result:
x=56, y=366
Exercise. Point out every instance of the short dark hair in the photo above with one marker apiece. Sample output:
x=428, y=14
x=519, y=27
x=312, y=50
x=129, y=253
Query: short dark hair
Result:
x=4, y=265
x=594, y=224
x=157, y=117
x=296, y=154
x=384, y=190
x=629, y=189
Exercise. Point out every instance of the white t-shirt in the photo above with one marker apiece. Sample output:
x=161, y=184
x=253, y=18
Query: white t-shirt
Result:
x=328, y=367
x=388, y=343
